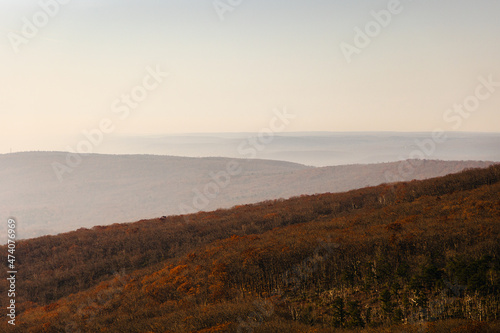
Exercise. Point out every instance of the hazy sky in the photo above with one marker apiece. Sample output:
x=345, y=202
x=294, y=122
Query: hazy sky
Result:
x=228, y=75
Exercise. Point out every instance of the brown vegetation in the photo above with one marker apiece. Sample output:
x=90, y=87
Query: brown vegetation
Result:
x=405, y=256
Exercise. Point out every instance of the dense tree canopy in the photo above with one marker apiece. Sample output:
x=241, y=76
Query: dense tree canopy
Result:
x=396, y=254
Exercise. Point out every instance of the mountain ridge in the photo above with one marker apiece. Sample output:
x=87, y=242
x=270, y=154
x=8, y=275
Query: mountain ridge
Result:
x=106, y=189
x=389, y=244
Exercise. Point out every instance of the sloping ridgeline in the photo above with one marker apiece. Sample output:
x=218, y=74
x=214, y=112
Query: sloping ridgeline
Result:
x=421, y=254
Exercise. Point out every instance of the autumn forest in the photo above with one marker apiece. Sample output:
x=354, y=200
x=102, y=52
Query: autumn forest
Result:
x=419, y=256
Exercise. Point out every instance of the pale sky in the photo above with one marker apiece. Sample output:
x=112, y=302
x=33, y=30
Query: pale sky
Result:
x=228, y=75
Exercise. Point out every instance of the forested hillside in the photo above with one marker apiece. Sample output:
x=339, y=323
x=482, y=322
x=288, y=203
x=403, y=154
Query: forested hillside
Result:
x=421, y=255
x=107, y=189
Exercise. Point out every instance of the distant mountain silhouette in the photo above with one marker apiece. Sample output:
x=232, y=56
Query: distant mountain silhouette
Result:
x=106, y=189
x=382, y=255
x=316, y=148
